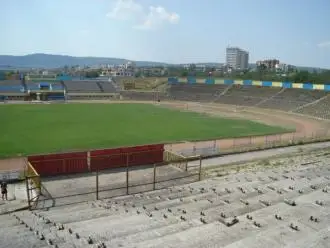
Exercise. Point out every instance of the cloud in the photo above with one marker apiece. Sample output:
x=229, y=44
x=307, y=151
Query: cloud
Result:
x=324, y=44
x=151, y=18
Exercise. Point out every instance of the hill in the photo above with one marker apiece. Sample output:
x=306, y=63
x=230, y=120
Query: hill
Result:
x=55, y=61
x=40, y=60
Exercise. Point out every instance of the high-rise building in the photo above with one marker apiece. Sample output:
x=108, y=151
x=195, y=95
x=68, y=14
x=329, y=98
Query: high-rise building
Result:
x=237, y=59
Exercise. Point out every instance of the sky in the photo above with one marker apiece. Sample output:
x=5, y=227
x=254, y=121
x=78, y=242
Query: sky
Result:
x=174, y=31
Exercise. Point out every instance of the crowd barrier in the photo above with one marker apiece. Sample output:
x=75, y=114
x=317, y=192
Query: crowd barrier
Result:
x=288, y=85
x=176, y=160
x=33, y=185
x=126, y=156
x=80, y=162
x=57, y=164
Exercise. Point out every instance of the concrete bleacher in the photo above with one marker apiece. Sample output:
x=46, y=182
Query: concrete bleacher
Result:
x=144, y=95
x=30, y=85
x=13, y=233
x=196, y=92
x=319, y=109
x=107, y=87
x=11, y=86
x=82, y=86
x=57, y=86
x=247, y=95
x=291, y=99
x=270, y=208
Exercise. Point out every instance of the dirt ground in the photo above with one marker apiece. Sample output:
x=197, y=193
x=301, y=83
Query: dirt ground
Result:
x=306, y=127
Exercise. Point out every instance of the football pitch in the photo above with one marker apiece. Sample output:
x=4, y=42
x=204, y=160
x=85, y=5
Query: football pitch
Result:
x=34, y=129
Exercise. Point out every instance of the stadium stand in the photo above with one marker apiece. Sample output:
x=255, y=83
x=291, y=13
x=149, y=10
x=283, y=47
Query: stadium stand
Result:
x=14, y=233
x=290, y=99
x=196, y=92
x=247, y=95
x=319, y=109
x=57, y=86
x=82, y=86
x=107, y=87
x=32, y=85
x=11, y=86
x=247, y=209
x=143, y=95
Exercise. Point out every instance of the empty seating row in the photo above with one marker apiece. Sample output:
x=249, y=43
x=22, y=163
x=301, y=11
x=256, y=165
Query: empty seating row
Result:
x=196, y=92
x=252, y=91
x=290, y=99
x=230, y=211
x=247, y=95
x=143, y=95
x=107, y=87
x=320, y=109
x=11, y=86
x=82, y=86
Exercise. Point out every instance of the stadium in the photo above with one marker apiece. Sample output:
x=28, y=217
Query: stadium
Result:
x=165, y=162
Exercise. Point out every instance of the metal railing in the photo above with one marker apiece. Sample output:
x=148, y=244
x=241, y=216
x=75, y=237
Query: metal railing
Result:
x=101, y=182
x=33, y=185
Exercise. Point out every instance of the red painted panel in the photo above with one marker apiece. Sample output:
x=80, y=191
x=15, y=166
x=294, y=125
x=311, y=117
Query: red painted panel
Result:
x=107, y=158
x=76, y=165
x=105, y=152
x=56, y=164
x=66, y=163
x=128, y=149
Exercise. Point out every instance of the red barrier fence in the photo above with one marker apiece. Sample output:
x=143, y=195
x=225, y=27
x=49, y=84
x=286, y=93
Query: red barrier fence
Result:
x=57, y=164
x=79, y=162
x=126, y=156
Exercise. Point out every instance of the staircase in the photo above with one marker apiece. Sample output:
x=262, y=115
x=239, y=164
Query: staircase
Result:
x=100, y=86
x=222, y=93
x=114, y=84
x=267, y=99
x=307, y=104
x=63, y=85
x=24, y=85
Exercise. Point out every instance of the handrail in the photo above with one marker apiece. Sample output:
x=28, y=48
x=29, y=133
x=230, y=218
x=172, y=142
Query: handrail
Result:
x=35, y=173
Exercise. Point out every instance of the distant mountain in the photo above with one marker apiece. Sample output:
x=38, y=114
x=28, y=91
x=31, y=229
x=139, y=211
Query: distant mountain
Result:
x=39, y=60
x=55, y=61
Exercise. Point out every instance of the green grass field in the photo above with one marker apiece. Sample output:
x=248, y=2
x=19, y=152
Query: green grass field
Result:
x=33, y=129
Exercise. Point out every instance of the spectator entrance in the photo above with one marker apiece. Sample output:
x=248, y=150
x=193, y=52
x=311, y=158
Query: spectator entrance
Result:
x=46, y=96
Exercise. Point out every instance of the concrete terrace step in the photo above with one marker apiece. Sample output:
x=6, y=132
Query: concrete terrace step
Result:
x=19, y=236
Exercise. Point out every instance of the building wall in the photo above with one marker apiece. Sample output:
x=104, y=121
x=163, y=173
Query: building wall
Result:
x=237, y=58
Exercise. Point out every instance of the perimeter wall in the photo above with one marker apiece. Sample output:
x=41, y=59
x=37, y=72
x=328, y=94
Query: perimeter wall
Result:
x=81, y=162
x=210, y=80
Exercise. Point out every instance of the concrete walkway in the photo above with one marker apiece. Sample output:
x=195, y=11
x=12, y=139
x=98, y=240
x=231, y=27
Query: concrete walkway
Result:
x=249, y=156
x=17, y=198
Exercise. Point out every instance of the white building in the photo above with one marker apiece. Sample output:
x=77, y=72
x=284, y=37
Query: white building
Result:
x=281, y=67
x=237, y=58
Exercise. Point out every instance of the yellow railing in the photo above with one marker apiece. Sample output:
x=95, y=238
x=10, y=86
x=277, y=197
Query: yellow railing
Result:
x=32, y=174
x=176, y=159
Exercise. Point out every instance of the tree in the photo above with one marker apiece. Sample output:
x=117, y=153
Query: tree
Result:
x=92, y=74
x=302, y=76
x=184, y=74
